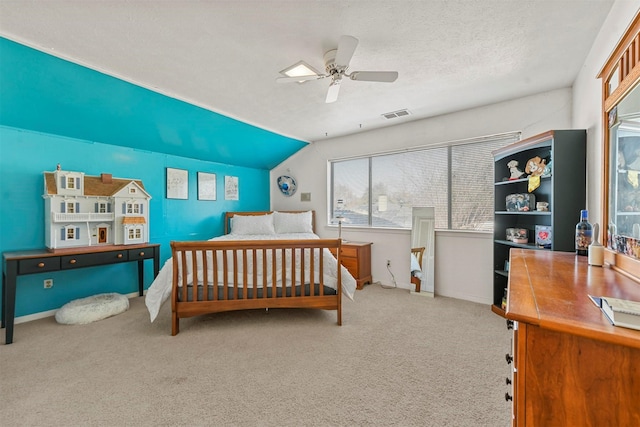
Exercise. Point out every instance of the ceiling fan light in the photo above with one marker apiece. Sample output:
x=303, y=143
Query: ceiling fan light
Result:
x=299, y=69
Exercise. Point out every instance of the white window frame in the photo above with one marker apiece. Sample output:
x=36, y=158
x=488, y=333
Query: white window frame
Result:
x=332, y=213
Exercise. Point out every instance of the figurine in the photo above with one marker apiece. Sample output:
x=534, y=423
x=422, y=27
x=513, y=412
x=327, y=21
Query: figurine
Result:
x=548, y=169
x=513, y=168
x=535, y=166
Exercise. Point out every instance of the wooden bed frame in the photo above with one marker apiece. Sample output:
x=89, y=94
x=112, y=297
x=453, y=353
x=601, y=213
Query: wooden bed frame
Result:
x=230, y=296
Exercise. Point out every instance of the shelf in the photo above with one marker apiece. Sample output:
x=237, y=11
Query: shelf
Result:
x=515, y=181
x=544, y=213
x=519, y=245
x=564, y=190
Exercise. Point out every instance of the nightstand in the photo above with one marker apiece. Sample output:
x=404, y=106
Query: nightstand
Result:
x=356, y=257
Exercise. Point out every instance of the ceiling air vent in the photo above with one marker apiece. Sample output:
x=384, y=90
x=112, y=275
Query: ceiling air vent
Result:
x=395, y=114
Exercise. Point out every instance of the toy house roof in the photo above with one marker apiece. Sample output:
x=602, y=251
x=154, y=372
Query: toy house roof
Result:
x=103, y=185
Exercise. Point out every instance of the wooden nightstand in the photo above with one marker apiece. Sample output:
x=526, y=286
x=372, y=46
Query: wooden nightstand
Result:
x=356, y=257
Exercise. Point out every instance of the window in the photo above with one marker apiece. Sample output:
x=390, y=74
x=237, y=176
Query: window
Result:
x=102, y=207
x=134, y=233
x=455, y=178
x=134, y=208
x=70, y=232
x=71, y=182
x=71, y=207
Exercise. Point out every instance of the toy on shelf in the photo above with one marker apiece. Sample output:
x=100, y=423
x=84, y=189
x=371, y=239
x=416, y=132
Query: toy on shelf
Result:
x=83, y=210
x=513, y=169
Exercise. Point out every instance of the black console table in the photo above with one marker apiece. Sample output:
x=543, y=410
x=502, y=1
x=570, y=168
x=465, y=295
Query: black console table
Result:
x=41, y=261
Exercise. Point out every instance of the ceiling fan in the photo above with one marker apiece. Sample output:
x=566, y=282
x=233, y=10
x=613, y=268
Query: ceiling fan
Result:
x=336, y=63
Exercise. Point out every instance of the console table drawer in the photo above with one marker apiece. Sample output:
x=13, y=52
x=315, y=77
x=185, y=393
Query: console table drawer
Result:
x=88, y=260
x=38, y=265
x=144, y=253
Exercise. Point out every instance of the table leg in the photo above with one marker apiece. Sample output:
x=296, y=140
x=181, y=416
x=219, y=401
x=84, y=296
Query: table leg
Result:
x=156, y=262
x=9, y=299
x=140, y=277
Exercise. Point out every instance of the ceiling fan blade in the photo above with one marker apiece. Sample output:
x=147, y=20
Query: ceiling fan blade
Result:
x=300, y=78
x=374, y=76
x=346, y=47
x=332, y=93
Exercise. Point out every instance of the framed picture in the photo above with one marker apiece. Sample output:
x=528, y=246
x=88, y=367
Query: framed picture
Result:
x=206, y=186
x=231, y=188
x=177, y=183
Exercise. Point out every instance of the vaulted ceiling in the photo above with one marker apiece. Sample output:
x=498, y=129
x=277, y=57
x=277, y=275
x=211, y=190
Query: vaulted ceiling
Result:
x=224, y=56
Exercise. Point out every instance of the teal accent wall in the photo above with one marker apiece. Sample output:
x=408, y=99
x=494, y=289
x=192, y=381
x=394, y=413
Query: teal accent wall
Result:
x=25, y=155
x=55, y=111
x=44, y=93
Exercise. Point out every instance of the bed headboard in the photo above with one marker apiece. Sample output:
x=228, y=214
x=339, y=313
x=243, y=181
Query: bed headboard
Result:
x=229, y=215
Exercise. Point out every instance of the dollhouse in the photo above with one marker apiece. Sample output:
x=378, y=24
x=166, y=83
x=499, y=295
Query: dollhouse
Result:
x=85, y=210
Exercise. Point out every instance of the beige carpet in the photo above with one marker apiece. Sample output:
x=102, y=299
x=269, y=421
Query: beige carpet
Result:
x=398, y=359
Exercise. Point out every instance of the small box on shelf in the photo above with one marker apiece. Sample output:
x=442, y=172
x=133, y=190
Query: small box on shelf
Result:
x=521, y=202
x=544, y=236
x=517, y=235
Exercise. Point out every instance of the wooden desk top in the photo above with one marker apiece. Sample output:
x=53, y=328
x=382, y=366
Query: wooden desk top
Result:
x=42, y=253
x=551, y=290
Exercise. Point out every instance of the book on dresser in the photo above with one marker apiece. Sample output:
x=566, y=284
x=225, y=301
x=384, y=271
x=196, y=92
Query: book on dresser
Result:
x=620, y=312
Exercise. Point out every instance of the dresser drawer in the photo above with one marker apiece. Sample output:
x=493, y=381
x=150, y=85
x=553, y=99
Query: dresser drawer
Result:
x=88, y=260
x=346, y=252
x=38, y=265
x=141, y=253
x=350, y=264
x=349, y=252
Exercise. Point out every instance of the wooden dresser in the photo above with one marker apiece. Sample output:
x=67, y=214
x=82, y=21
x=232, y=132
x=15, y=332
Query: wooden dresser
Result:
x=356, y=257
x=571, y=367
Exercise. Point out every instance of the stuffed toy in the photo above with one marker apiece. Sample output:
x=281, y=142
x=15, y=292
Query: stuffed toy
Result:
x=513, y=168
x=535, y=166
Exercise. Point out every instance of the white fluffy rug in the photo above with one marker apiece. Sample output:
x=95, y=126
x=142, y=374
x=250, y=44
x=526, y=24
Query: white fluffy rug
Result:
x=90, y=309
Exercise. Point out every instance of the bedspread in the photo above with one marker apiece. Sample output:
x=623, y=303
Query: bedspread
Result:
x=160, y=289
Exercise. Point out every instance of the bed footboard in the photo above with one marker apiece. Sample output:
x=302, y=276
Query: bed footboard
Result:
x=217, y=276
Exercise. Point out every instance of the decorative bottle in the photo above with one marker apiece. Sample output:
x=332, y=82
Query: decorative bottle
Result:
x=584, y=232
x=596, y=250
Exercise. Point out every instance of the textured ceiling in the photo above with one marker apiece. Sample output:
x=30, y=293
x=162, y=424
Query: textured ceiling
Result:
x=225, y=56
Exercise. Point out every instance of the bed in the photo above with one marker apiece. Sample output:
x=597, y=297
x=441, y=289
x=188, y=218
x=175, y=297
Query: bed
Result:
x=264, y=260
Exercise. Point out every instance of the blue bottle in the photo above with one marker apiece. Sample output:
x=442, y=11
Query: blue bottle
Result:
x=584, y=234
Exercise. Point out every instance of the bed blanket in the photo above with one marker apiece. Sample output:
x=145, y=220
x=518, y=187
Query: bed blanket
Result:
x=160, y=290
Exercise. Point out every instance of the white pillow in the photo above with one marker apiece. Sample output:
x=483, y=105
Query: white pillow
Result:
x=252, y=224
x=286, y=222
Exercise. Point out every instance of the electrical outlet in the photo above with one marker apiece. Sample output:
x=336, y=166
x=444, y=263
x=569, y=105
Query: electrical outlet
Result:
x=388, y=263
x=48, y=283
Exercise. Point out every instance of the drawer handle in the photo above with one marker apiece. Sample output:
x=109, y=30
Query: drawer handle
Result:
x=141, y=253
x=508, y=358
x=73, y=261
x=41, y=264
x=119, y=255
x=508, y=397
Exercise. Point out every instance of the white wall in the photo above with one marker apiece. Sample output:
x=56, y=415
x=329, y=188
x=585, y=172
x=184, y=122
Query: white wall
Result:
x=463, y=259
x=579, y=107
x=587, y=98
